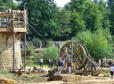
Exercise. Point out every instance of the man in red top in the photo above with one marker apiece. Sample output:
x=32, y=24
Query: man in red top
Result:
x=69, y=65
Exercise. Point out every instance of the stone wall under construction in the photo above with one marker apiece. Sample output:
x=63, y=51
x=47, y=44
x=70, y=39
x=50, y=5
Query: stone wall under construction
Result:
x=6, y=51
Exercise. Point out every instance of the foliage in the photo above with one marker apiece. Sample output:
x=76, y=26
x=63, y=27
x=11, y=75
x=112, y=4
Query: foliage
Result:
x=111, y=7
x=77, y=23
x=63, y=18
x=50, y=52
x=42, y=16
x=96, y=43
x=62, y=24
x=8, y=3
x=29, y=48
x=4, y=73
x=57, y=23
x=36, y=42
x=87, y=14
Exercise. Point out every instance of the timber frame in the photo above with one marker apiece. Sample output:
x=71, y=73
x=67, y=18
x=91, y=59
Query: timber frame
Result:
x=14, y=21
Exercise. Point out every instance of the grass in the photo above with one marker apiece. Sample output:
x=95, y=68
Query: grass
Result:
x=36, y=64
x=107, y=70
x=4, y=72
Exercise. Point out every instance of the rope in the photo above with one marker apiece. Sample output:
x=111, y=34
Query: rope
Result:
x=38, y=32
x=93, y=61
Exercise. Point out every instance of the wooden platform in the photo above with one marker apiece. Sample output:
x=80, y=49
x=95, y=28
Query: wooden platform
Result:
x=20, y=30
x=15, y=30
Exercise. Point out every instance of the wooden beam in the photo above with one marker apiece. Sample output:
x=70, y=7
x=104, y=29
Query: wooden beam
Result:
x=15, y=30
x=3, y=14
x=25, y=50
x=4, y=30
x=13, y=67
x=20, y=30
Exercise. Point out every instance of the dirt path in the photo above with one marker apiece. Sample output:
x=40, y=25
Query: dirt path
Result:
x=41, y=78
x=96, y=81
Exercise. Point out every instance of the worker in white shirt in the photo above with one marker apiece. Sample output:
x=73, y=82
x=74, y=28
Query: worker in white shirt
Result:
x=41, y=63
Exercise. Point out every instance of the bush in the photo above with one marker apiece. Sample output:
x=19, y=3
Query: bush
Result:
x=29, y=49
x=30, y=44
x=96, y=43
x=50, y=52
x=36, y=42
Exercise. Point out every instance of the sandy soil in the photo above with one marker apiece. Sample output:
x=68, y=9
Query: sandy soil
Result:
x=40, y=78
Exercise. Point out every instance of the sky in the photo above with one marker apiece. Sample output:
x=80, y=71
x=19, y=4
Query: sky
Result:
x=61, y=3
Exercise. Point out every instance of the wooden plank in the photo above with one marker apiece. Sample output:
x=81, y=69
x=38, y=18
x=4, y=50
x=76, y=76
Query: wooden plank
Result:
x=4, y=30
x=20, y=30
x=3, y=14
x=15, y=30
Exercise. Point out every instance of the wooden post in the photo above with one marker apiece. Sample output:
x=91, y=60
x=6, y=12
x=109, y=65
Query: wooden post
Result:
x=71, y=50
x=13, y=67
x=58, y=50
x=25, y=38
x=25, y=50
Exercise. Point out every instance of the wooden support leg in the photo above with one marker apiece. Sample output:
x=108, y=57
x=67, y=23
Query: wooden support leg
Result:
x=13, y=67
x=25, y=50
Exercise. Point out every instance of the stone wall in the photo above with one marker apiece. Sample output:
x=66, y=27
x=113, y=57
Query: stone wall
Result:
x=6, y=51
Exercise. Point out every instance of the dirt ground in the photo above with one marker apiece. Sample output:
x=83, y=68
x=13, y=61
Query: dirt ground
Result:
x=42, y=78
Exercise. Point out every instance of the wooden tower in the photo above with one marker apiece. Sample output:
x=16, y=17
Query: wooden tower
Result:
x=12, y=28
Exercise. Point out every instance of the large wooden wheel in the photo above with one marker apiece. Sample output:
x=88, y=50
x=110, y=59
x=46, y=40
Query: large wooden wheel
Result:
x=79, y=58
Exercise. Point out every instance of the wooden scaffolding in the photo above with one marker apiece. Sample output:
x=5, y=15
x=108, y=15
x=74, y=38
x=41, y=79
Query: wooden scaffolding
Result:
x=12, y=22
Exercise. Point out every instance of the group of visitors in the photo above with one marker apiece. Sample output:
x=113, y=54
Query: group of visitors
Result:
x=50, y=62
x=103, y=62
x=60, y=65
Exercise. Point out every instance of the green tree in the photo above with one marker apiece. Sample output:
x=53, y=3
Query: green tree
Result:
x=42, y=16
x=111, y=7
x=87, y=14
x=8, y=3
x=96, y=15
x=77, y=23
x=63, y=19
x=97, y=43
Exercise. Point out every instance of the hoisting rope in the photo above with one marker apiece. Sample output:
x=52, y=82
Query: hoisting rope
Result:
x=38, y=33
